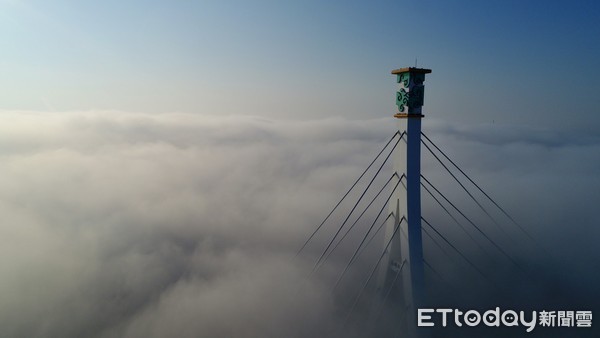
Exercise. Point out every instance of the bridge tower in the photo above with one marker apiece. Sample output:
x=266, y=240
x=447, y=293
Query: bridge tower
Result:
x=401, y=278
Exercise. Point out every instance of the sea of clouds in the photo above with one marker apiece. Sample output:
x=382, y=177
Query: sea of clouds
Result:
x=117, y=224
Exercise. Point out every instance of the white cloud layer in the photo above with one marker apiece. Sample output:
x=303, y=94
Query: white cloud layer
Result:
x=177, y=225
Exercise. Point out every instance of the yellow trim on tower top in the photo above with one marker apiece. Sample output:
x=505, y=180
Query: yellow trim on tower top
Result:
x=408, y=116
x=412, y=70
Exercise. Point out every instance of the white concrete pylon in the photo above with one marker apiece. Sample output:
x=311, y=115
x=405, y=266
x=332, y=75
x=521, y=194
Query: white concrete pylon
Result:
x=407, y=290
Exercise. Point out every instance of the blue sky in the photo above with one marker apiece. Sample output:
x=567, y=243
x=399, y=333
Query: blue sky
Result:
x=510, y=62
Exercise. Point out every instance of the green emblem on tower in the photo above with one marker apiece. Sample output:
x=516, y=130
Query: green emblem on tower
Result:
x=409, y=97
x=401, y=99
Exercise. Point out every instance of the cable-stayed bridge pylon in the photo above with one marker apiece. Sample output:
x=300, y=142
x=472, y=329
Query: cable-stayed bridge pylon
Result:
x=397, y=278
